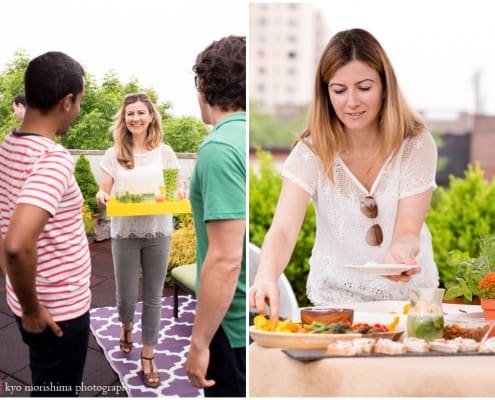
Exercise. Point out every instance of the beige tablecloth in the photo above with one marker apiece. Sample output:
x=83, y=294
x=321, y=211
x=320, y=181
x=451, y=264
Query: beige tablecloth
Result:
x=274, y=374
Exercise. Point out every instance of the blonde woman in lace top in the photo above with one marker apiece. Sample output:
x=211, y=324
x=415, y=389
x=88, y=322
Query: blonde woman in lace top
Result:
x=368, y=164
x=140, y=245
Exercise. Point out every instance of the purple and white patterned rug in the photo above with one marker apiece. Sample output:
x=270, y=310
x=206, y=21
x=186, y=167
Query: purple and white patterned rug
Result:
x=170, y=352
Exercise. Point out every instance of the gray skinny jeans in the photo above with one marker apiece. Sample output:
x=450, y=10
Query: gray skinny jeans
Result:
x=152, y=256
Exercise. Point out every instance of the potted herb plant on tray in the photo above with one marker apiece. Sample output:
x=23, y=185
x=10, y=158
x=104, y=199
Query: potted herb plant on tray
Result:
x=470, y=271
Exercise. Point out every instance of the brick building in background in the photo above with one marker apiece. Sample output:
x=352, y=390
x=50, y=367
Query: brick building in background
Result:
x=482, y=144
x=466, y=139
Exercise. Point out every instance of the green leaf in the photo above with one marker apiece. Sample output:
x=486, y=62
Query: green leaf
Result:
x=453, y=292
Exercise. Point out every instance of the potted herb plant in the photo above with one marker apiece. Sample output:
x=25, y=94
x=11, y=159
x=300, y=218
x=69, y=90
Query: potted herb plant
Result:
x=470, y=271
x=465, y=287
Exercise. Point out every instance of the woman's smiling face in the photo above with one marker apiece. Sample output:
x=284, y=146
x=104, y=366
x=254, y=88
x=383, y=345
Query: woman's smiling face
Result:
x=137, y=118
x=356, y=94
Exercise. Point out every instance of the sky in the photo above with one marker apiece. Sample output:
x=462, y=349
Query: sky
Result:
x=435, y=47
x=155, y=41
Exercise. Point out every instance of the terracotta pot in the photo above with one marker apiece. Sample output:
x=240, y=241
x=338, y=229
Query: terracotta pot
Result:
x=488, y=306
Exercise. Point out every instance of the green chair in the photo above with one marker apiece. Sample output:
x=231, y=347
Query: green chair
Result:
x=184, y=277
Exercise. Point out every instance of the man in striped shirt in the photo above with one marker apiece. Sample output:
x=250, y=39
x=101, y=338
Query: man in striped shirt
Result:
x=45, y=252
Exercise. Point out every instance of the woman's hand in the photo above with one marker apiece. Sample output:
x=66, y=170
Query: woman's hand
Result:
x=182, y=189
x=402, y=253
x=181, y=195
x=411, y=215
x=265, y=292
x=101, y=198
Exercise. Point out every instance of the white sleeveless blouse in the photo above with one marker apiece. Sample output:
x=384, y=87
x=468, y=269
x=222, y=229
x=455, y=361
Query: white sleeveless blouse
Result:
x=341, y=227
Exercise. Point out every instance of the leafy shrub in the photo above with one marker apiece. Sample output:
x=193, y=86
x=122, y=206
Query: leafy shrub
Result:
x=11, y=83
x=87, y=182
x=90, y=132
x=88, y=220
x=184, y=134
x=183, y=249
x=264, y=189
x=461, y=215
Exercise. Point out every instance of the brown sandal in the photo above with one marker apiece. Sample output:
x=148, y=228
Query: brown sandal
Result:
x=126, y=344
x=152, y=375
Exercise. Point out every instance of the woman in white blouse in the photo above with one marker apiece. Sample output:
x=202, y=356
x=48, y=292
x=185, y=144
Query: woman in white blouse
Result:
x=135, y=164
x=368, y=164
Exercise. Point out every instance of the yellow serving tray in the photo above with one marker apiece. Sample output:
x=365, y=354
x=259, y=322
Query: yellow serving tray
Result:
x=116, y=209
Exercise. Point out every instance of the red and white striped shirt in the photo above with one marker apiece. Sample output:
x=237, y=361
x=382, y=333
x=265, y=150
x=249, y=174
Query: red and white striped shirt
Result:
x=37, y=171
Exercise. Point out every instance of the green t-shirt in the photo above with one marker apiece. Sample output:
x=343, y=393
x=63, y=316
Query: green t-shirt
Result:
x=218, y=192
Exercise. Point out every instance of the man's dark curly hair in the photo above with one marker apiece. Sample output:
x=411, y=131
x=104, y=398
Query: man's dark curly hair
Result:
x=221, y=73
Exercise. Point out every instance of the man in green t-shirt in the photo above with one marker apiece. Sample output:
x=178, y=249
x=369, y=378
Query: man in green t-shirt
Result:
x=217, y=356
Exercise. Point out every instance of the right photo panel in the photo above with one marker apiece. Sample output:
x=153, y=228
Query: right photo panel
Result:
x=371, y=199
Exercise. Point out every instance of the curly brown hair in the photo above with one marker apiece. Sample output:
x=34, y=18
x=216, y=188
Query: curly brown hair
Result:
x=221, y=73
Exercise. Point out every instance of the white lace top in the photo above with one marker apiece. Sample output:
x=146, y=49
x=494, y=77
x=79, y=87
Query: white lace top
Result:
x=145, y=177
x=341, y=227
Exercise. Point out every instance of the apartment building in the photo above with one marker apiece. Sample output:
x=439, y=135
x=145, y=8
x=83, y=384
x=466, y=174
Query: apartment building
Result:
x=286, y=40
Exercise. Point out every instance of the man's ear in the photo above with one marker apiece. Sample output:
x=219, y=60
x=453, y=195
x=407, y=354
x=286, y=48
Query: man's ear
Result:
x=66, y=102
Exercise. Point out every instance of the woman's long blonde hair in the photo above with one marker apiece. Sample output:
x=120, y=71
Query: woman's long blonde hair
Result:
x=123, y=138
x=396, y=119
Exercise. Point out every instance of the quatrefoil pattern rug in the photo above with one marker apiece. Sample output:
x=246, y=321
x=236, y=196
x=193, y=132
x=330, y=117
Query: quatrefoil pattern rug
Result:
x=170, y=352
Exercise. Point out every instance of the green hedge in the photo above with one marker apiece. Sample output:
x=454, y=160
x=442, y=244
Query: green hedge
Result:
x=87, y=182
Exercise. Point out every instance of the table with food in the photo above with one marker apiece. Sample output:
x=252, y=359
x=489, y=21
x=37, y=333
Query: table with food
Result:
x=420, y=347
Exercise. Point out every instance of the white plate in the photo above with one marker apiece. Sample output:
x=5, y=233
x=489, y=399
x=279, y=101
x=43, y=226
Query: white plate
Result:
x=382, y=269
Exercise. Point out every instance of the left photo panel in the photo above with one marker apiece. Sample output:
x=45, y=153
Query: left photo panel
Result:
x=123, y=217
